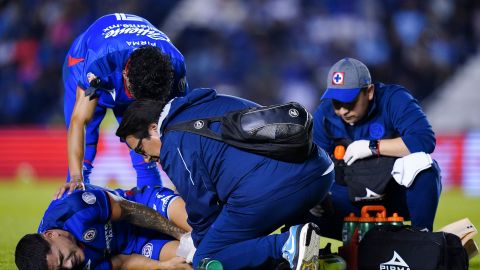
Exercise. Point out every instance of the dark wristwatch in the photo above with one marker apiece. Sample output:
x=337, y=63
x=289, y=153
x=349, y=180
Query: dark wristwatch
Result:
x=374, y=147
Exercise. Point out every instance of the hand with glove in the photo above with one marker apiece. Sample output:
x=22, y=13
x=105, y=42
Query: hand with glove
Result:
x=186, y=249
x=357, y=150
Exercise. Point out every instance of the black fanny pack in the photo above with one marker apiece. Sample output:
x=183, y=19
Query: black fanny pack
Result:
x=282, y=132
x=391, y=247
x=366, y=179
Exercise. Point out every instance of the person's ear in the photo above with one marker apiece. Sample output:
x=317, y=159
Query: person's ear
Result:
x=370, y=91
x=152, y=129
x=49, y=234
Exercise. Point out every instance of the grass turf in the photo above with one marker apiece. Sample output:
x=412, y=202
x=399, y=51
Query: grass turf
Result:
x=23, y=204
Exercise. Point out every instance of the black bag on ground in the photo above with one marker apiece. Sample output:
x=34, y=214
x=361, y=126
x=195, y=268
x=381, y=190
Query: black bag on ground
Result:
x=282, y=132
x=407, y=248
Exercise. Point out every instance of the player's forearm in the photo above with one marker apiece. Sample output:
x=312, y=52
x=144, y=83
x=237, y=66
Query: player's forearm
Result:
x=76, y=149
x=143, y=216
x=393, y=147
x=139, y=262
x=133, y=262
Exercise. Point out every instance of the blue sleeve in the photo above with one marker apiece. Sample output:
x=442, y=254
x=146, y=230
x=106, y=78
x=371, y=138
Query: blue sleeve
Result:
x=320, y=137
x=79, y=208
x=104, y=265
x=102, y=65
x=410, y=122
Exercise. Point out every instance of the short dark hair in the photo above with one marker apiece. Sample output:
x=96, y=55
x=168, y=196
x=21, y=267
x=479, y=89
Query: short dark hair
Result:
x=150, y=73
x=137, y=118
x=31, y=252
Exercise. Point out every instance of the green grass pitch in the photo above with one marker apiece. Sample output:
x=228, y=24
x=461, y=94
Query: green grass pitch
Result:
x=22, y=205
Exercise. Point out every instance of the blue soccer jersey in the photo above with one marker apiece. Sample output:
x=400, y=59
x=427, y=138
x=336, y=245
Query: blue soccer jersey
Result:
x=103, y=50
x=86, y=215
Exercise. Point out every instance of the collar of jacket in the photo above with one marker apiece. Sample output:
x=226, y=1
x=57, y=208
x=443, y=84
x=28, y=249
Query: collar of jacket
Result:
x=179, y=104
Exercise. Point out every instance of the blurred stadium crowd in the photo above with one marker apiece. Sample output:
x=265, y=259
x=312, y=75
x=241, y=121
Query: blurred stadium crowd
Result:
x=266, y=50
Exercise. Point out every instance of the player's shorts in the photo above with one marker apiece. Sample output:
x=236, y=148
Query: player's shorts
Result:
x=158, y=198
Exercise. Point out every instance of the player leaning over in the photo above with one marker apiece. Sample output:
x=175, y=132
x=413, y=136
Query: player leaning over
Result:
x=115, y=59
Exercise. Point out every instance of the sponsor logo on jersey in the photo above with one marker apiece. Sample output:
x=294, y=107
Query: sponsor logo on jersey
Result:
x=108, y=236
x=396, y=263
x=73, y=60
x=141, y=43
x=147, y=250
x=89, y=235
x=165, y=200
x=337, y=78
x=89, y=198
x=134, y=29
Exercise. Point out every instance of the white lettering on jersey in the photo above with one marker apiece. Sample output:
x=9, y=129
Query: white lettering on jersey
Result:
x=141, y=43
x=108, y=236
x=137, y=30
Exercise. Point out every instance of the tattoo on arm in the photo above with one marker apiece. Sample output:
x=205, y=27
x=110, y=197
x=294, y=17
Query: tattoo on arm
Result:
x=143, y=216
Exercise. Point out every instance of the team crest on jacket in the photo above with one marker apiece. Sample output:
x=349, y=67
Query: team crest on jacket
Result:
x=89, y=198
x=376, y=130
x=89, y=235
x=147, y=250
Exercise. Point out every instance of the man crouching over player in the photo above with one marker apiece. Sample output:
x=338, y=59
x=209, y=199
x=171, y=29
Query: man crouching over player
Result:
x=100, y=229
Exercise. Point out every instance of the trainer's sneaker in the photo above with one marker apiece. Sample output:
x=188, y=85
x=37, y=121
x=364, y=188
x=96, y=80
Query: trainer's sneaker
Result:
x=302, y=246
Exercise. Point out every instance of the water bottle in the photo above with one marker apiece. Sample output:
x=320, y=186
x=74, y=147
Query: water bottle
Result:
x=350, y=223
x=210, y=264
x=381, y=220
x=395, y=220
x=365, y=223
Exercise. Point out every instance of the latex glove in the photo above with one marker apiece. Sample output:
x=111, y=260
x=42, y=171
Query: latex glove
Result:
x=357, y=150
x=186, y=249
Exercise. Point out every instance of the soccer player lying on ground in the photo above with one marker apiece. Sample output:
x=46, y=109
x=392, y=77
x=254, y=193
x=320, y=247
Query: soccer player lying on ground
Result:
x=100, y=229
x=234, y=198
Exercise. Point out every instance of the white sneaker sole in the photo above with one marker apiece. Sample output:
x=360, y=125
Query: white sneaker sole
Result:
x=309, y=246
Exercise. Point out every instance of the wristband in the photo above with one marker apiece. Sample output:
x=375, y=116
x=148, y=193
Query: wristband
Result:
x=374, y=146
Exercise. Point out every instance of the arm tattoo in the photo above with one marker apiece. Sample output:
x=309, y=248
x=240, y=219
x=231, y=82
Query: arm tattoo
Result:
x=143, y=216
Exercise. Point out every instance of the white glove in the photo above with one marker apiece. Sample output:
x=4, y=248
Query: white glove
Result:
x=186, y=249
x=357, y=150
x=408, y=167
